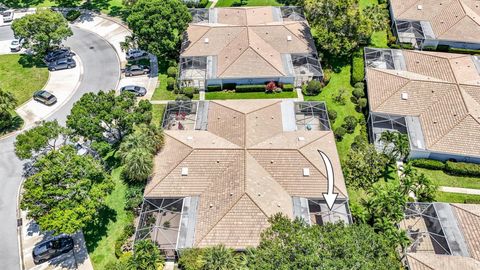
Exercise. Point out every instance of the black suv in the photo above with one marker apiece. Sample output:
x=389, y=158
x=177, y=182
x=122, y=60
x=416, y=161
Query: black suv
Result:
x=52, y=248
x=58, y=54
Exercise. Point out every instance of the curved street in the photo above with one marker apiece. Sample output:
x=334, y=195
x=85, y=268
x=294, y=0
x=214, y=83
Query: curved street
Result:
x=101, y=72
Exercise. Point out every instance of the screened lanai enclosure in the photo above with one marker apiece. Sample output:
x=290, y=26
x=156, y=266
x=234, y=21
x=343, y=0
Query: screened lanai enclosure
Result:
x=306, y=67
x=316, y=211
x=180, y=115
x=311, y=116
x=193, y=71
x=384, y=59
x=432, y=228
x=292, y=13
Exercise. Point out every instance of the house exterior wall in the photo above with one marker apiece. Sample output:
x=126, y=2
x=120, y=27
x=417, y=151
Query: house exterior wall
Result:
x=453, y=44
x=243, y=81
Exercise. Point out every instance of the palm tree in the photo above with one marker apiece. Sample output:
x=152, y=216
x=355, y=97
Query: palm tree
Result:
x=138, y=164
x=135, y=141
x=395, y=145
x=8, y=102
x=146, y=256
x=220, y=258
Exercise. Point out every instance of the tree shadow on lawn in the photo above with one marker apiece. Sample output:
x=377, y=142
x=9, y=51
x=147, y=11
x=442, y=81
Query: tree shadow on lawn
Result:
x=21, y=3
x=98, y=229
x=30, y=61
x=336, y=63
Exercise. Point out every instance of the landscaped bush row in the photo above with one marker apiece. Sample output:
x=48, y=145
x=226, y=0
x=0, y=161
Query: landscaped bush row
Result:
x=358, y=68
x=450, y=167
x=428, y=164
x=128, y=231
x=72, y=15
x=247, y=88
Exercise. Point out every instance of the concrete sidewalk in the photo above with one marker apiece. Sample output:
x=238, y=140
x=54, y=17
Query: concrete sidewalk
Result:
x=469, y=191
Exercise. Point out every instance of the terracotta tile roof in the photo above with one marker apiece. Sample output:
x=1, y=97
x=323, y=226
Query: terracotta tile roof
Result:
x=244, y=168
x=443, y=91
x=456, y=20
x=248, y=41
x=422, y=261
x=468, y=216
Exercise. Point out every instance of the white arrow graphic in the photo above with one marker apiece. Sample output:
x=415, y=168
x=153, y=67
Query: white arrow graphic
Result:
x=329, y=197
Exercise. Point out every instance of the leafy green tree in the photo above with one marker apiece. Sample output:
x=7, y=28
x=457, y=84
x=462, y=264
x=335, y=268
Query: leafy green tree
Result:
x=220, y=258
x=378, y=17
x=313, y=88
x=107, y=117
x=350, y=123
x=158, y=25
x=146, y=256
x=41, y=139
x=339, y=26
x=66, y=192
x=42, y=30
x=291, y=244
x=395, y=145
x=364, y=166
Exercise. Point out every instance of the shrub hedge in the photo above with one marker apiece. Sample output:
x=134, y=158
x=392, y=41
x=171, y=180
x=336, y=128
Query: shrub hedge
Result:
x=462, y=168
x=172, y=72
x=358, y=68
x=214, y=88
x=72, y=15
x=128, y=231
x=170, y=83
x=250, y=88
x=288, y=87
x=232, y=86
x=428, y=164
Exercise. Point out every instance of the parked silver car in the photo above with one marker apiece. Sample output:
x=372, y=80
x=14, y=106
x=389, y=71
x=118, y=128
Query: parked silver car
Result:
x=139, y=91
x=135, y=70
x=44, y=97
x=63, y=63
x=135, y=53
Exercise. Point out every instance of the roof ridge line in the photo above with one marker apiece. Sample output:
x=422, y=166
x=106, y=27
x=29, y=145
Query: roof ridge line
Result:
x=464, y=15
x=394, y=92
x=304, y=42
x=415, y=3
x=274, y=103
x=421, y=262
x=216, y=223
x=193, y=42
x=259, y=54
x=236, y=59
x=307, y=144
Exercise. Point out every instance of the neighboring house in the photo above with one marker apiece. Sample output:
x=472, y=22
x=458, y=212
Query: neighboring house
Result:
x=248, y=45
x=227, y=166
x=429, y=23
x=433, y=97
x=443, y=236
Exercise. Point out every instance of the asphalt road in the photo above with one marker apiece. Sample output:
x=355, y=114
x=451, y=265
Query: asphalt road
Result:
x=101, y=72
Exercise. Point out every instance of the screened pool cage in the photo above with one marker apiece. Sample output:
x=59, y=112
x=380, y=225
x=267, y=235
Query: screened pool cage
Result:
x=384, y=122
x=193, y=71
x=311, y=116
x=199, y=15
x=180, y=115
x=320, y=214
x=425, y=229
x=292, y=13
x=160, y=222
x=409, y=31
x=306, y=67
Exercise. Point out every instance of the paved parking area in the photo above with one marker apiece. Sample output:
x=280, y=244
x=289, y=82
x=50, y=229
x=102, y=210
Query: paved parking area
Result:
x=75, y=259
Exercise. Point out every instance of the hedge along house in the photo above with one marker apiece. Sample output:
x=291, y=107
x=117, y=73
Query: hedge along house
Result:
x=431, y=23
x=433, y=97
x=227, y=166
x=248, y=45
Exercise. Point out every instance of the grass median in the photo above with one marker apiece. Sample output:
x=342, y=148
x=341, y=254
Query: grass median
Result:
x=22, y=76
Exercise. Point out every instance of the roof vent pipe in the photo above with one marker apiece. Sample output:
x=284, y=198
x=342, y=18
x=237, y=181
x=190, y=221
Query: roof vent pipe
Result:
x=419, y=7
x=206, y=40
x=289, y=38
x=404, y=96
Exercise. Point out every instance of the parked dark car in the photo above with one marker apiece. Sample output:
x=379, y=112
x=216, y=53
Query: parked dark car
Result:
x=44, y=97
x=134, y=70
x=63, y=63
x=58, y=54
x=136, y=90
x=52, y=248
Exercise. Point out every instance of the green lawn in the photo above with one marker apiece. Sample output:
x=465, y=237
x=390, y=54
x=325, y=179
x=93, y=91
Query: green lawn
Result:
x=457, y=198
x=229, y=3
x=442, y=179
x=161, y=93
x=19, y=76
x=101, y=239
x=158, y=110
x=340, y=80
x=252, y=95
x=378, y=39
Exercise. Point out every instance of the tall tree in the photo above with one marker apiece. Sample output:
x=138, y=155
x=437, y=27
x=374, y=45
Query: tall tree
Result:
x=220, y=258
x=338, y=25
x=417, y=183
x=8, y=102
x=42, y=30
x=41, y=139
x=138, y=164
x=146, y=256
x=395, y=145
x=107, y=117
x=67, y=192
x=158, y=25
x=295, y=245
